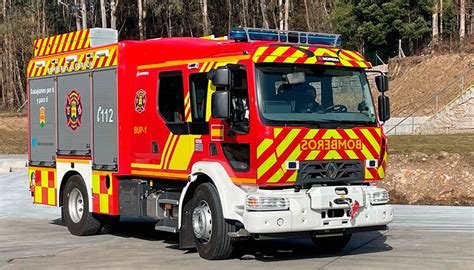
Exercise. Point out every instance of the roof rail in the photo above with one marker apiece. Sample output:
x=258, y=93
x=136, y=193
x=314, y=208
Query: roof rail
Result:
x=246, y=34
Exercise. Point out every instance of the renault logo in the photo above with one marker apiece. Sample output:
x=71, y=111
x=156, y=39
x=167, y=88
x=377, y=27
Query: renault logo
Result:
x=331, y=170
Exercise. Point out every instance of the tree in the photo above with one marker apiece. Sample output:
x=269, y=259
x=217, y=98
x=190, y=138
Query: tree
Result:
x=462, y=19
x=113, y=16
x=140, y=19
x=103, y=14
x=434, y=22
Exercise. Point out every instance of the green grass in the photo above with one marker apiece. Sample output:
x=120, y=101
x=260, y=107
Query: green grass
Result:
x=430, y=144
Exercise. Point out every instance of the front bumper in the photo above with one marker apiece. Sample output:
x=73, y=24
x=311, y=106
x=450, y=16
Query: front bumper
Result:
x=310, y=211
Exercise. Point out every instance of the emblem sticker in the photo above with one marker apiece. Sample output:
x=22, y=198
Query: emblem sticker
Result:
x=42, y=117
x=73, y=110
x=140, y=101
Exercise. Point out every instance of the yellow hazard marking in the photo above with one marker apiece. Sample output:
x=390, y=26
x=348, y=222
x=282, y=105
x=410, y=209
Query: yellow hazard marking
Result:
x=244, y=180
x=313, y=154
x=277, y=53
x=288, y=139
x=371, y=139
x=276, y=176
x=104, y=203
x=263, y=146
x=352, y=154
x=38, y=195
x=51, y=196
x=332, y=134
x=161, y=174
x=332, y=154
x=368, y=175
x=266, y=165
x=79, y=161
x=200, y=60
x=183, y=152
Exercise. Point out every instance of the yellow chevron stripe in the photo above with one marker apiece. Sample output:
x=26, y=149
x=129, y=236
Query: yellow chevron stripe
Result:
x=276, y=132
x=203, y=66
x=209, y=67
x=351, y=134
x=75, y=39
x=294, y=155
x=366, y=153
x=56, y=45
x=266, y=165
x=110, y=58
x=259, y=52
x=381, y=172
x=332, y=154
x=331, y=133
x=48, y=45
x=101, y=62
x=277, y=176
x=263, y=146
x=285, y=142
x=293, y=177
x=368, y=175
x=168, y=155
x=353, y=55
x=61, y=43
x=43, y=46
x=351, y=154
x=82, y=39
x=313, y=154
x=311, y=134
x=278, y=52
x=371, y=139
x=294, y=57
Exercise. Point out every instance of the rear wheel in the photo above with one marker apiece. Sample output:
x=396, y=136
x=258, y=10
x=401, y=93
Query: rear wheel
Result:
x=208, y=224
x=333, y=243
x=77, y=217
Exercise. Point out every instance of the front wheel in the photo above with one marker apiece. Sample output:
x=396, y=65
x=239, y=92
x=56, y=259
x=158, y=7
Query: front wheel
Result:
x=208, y=224
x=77, y=217
x=333, y=243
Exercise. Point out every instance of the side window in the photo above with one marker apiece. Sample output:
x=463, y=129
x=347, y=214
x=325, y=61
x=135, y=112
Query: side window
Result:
x=198, y=85
x=170, y=96
x=240, y=98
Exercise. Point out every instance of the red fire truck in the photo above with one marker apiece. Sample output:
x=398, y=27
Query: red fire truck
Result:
x=263, y=134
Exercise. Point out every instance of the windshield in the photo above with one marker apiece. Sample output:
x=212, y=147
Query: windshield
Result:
x=328, y=95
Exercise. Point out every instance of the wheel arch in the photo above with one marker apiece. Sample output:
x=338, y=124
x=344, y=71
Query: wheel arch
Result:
x=64, y=181
x=214, y=173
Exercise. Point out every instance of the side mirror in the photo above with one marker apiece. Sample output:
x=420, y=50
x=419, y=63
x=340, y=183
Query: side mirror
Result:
x=382, y=83
x=384, y=108
x=220, y=77
x=221, y=104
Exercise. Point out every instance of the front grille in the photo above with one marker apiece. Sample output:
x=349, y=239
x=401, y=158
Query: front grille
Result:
x=330, y=171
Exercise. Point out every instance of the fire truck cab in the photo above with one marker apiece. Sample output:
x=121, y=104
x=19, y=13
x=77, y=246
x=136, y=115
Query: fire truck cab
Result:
x=262, y=134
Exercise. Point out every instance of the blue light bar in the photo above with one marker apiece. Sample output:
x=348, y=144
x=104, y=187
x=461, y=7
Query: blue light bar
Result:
x=291, y=37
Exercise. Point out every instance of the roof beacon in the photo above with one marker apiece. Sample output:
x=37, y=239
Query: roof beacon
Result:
x=252, y=34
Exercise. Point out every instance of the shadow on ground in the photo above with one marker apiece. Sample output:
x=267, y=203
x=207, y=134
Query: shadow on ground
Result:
x=260, y=250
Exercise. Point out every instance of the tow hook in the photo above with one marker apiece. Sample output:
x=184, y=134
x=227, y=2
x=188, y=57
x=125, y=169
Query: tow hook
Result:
x=241, y=234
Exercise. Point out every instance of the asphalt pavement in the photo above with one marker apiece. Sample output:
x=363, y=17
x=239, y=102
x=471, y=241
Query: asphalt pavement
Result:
x=33, y=236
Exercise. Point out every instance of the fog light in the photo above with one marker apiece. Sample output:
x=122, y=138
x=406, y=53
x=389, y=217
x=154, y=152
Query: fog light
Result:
x=379, y=196
x=257, y=203
x=280, y=222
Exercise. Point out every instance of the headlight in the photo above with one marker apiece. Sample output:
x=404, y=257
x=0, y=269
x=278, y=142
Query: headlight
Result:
x=379, y=196
x=257, y=203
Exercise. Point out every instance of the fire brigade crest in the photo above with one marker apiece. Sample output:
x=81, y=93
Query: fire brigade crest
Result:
x=73, y=110
x=140, y=101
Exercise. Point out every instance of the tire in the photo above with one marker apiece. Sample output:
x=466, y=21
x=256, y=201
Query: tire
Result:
x=213, y=244
x=77, y=217
x=333, y=243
